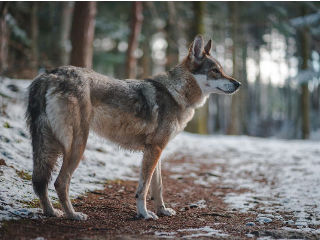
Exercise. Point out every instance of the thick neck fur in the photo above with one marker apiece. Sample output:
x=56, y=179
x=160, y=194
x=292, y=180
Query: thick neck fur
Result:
x=183, y=86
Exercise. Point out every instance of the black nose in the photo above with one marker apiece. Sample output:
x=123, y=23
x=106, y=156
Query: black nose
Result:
x=236, y=84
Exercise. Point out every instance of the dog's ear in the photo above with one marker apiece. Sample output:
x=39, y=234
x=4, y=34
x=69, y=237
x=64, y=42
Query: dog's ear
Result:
x=207, y=48
x=196, y=48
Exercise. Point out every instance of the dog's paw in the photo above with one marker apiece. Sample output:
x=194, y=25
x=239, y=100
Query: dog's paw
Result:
x=53, y=213
x=78, y=216
x=58, y=213
x=151, y=215
x=166, y=212
x=148, y=216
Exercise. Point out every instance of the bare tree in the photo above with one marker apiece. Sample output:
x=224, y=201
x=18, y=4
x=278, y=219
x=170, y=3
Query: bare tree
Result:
x=136, y=23
x=82, y=34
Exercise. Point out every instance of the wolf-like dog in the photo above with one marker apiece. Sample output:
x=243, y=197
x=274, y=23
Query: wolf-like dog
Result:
x=143, y=115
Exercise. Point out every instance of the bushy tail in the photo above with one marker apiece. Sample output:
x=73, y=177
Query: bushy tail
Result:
x=36, y=103
x=44, y=156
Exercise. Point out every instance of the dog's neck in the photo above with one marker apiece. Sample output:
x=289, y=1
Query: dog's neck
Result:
x=182, y=86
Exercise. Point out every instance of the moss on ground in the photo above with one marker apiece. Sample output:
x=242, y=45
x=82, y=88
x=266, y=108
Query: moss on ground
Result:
x=24, y=175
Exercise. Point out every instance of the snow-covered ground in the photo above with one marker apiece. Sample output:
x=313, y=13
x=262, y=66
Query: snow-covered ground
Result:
x=281, y=176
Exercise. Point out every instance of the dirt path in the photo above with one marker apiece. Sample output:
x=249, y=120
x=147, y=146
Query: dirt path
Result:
x=201, y=213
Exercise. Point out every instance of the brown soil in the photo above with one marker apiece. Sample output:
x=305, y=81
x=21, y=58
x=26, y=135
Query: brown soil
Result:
x=112, y=214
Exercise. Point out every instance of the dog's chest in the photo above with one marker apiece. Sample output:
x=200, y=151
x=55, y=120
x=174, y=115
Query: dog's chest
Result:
x=181, y=122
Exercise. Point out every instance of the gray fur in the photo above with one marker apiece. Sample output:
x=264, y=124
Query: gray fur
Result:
x=143, y=115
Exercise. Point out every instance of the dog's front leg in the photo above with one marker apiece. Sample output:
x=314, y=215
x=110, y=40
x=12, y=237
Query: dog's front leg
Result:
x=150, y=159
x=156, y=193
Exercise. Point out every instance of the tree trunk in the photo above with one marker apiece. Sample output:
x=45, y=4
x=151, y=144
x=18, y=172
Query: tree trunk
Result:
x=257, y=87
x=146, y=60
x=304, y=88
x=233, y=127
x=318, y=105
x=288, y=95
x=172, y=33
x=305, y=54
x=34, y=37
x=147, y=30
x=3, y=37
x=136, y=23
x=199, y=12
x=199, y=123
x=82, y=34
x=243, y=105
x=65, y=27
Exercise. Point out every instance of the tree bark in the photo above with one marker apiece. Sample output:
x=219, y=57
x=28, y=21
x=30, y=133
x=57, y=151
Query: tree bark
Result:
x=199, y=123
x=82, y=34
x=136, y=23
x=65, y=28
x=3, y=37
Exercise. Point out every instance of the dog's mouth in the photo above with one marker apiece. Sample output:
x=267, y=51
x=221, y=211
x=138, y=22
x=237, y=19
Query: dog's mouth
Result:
x=230, y=87
x=229, y=91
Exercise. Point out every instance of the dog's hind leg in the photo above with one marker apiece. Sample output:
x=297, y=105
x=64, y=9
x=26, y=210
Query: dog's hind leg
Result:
x=45, y=153
x=150, y=159
x=156, y=193
x=71, y=160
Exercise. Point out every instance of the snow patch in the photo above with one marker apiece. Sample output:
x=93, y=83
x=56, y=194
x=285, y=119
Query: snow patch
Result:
x=193, y=233
x=203, y=232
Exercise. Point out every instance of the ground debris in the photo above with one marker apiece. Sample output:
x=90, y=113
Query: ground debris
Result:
x=209, y=174
x=2, y=162
x=216, y=214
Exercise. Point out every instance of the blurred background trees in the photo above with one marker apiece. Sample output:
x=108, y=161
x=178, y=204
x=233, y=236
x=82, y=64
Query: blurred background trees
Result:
x=271, y=47
x=82, y=34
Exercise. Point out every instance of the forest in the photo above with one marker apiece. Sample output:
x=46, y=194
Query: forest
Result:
x=247, y=165
x=272, y=48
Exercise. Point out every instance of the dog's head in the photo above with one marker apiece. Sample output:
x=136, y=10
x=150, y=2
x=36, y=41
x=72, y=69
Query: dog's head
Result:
x=208, y=71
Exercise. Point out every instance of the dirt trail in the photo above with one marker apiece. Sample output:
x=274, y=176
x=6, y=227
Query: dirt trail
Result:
x=201, y=213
